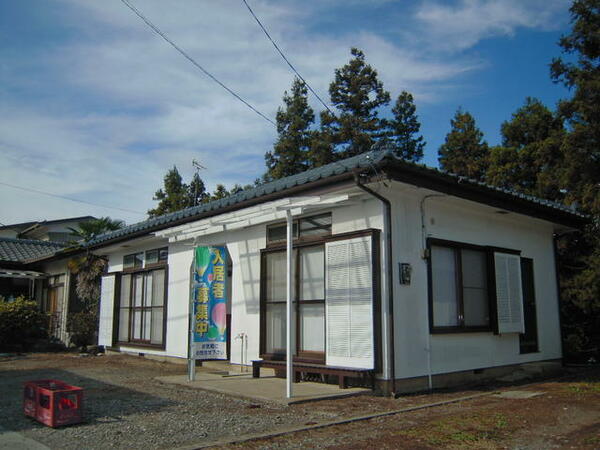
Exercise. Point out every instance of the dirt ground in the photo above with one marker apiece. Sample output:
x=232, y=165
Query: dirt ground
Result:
x=127, y=408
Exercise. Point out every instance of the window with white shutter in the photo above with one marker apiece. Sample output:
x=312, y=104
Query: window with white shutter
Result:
x=509, y=294
x=349, y=303
x=107, y=306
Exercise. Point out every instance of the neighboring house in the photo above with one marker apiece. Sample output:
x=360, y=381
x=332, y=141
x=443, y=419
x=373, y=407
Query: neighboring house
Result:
x=36, y=270
x=46, y=230
x=419, y=275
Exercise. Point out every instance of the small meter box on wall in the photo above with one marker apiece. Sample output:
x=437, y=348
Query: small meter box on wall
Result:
x=405, y=272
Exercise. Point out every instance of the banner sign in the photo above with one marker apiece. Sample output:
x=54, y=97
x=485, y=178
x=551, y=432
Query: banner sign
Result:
x=210, y=303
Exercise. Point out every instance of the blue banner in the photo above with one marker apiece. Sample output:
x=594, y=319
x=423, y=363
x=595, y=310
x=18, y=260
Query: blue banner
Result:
x=209, y=291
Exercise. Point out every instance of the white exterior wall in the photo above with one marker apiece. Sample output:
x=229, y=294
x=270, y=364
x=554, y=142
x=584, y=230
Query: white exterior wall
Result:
x=244, y=248
x=464, y=221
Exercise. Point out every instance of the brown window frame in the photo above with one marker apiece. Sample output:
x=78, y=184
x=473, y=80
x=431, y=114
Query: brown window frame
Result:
x=132, y=273
x=301, y=355
x=319, y=357
x=529, y=342
x=296, y=232
x=491, y=286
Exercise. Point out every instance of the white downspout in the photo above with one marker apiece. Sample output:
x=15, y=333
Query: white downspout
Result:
x=289, y=353
x=425, y=256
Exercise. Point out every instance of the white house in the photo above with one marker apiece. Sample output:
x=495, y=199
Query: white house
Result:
x=425, y=278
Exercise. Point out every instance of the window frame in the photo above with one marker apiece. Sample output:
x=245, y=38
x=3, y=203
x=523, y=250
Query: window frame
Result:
x=491, y=286
x=296, y=231
x=319, y=357
x=132, y=273
x=300, y=355
x=529, y=310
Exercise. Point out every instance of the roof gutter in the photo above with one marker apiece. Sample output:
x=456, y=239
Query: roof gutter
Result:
x=235, y=207
x=387, y=225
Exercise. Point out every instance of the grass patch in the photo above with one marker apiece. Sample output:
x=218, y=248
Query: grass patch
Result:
x=584, y=388
x=478, y=430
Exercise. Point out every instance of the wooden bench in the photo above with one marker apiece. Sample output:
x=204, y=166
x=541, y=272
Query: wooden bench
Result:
x=298, y=368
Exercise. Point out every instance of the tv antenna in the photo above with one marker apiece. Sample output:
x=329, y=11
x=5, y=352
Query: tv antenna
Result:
x=198, y=168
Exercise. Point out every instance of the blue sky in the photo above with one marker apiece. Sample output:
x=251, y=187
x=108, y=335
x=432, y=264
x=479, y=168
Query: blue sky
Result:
x=94, y=106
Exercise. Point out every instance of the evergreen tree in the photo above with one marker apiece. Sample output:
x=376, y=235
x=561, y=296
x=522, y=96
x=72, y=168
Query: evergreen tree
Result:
x=530, y=154
x=465, y=152
x=219, y=192
x=197, y=192
x=581, y=74
x=580, y=176
x=357, y=93
x=290, y=152
x=402, y=131
x=173, y=197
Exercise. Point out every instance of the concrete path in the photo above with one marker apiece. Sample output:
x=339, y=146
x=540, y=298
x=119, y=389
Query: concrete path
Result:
x=11, y=440
x=265, y=389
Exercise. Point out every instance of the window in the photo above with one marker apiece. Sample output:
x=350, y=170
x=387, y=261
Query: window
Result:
x=308, y=294
x=150, y=258
x=459, y=288
x=142, y=307
x=528, y=341
x=157, y=256
x=303, y=228
x=133, y=261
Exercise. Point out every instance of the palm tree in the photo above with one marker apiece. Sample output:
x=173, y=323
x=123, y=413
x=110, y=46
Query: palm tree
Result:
x=88, y=230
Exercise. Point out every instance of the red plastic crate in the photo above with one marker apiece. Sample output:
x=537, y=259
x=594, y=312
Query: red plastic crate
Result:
x=53, y=402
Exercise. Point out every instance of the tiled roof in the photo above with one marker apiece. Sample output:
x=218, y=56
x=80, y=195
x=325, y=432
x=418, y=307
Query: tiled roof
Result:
x=21, y=250
x=375, y=159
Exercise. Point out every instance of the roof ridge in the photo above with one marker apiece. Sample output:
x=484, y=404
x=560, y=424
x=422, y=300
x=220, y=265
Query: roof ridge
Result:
x=33, y=241
x=374, y=158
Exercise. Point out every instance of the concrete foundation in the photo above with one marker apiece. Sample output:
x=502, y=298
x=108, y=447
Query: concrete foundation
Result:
x=508, y=374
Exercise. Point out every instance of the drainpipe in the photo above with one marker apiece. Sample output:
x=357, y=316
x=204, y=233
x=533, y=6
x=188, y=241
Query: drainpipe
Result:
x=387, y=225
x=424, y=250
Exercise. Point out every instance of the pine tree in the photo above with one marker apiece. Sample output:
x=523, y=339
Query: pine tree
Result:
x=581, y=74
x=530, y=155
x=173, y=197
x=580, y=176
x=219, y=192
x=464, y=153
x=291, y=150
x=197, y=192
x=402, y=131
x=357, y=93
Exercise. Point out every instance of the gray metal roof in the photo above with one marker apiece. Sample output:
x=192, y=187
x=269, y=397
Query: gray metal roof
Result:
x=373, y=160
x=22, y=250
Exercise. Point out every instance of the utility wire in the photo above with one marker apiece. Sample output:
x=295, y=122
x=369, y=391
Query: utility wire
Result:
x=192, y=60
x=68, y=198
x=285, y=59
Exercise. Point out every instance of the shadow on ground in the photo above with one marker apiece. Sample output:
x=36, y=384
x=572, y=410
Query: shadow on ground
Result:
x=102, y=402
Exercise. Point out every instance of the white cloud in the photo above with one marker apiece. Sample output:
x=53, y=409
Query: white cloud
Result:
x=120, y=106
x=461, y=25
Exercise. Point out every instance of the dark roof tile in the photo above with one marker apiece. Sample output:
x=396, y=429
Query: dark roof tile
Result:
x=21, y=250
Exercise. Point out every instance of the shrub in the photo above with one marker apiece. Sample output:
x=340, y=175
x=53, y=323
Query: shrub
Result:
x=21, y=324
x=82, y=326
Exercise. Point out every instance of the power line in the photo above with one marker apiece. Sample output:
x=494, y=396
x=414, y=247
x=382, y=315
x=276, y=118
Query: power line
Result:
x=71, y=199
x=285, y=59
x=192, y=60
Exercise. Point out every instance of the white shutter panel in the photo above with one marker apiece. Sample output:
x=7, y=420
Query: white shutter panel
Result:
x=107, y=305
x=349, y=303
x=509, y=293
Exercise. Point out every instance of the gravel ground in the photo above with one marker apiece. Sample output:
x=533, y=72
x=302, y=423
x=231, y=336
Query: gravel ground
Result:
x=126, y=408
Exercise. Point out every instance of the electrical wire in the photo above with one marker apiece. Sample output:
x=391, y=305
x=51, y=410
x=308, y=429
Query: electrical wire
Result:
x=68, y=198
x=192, y=60
x=285, y=59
